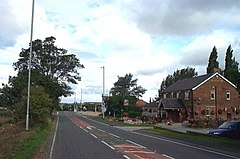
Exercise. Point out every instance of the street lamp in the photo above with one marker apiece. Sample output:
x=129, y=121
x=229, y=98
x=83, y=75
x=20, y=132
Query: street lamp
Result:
x=103, y=104
x=29, y=68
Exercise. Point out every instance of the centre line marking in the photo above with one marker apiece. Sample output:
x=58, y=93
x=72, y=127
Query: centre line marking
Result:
x=108, y=145
x=94, y=136
x=114, y=135
x=135, y=143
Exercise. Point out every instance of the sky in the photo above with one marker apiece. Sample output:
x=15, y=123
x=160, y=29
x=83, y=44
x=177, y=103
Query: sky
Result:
x=147, y=38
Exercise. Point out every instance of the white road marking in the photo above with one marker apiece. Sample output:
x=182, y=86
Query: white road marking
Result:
x=53, y=142
x=114, y=135
x=94, y=136
x=101, y=130
x=194, y=147
x=125, y=156
x=168, y=156
x=135, y=143
x=89, y=128
x=108, y=145
x=85, y=130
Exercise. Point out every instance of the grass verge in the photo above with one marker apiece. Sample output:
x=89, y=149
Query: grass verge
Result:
x=196, y=137
x=35, y=142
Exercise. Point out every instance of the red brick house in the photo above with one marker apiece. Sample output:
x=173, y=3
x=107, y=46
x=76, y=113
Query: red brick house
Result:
x=207, y=96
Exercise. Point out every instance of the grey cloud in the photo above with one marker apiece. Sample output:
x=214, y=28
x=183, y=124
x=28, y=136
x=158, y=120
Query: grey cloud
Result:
x=180, y=18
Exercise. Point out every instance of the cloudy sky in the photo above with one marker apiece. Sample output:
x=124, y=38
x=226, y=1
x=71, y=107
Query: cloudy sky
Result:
x=148, y=38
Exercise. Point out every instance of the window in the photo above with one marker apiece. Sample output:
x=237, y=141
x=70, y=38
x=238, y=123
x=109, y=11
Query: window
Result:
x=172, y=95
x=212, y=95
x=186, y=95
x=208, y=111
x=165, y=95
x=177, y=95
x=228, y=95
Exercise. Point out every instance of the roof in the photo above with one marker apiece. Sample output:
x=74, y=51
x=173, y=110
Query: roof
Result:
x=192, y=83
x=172, y=103
x=140, y=103
x=152, y=104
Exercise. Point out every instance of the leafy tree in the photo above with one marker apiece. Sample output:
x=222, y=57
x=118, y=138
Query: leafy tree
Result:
x=125, y=88
x=231, y=71
x=177, y=75
x=50, y=61
x=212, y=62
x=40, y=106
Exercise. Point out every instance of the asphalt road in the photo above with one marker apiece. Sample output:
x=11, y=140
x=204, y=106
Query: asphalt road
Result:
x=78, y=136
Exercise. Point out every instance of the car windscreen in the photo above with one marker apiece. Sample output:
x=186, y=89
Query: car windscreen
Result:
x=226, y=125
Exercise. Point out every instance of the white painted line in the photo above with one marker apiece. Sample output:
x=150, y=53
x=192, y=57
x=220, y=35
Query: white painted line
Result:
x=53, y=142
x=101, y=130
x=89, y=128
x=125, y=156
x=114, y=135
x=108, y=145
x=194, y=147
x=135, y=143
x=94, y=136
x=85, y=130
x=145, y=152
x=168, y=156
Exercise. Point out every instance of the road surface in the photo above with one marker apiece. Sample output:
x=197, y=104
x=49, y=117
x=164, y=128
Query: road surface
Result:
x=79, y=137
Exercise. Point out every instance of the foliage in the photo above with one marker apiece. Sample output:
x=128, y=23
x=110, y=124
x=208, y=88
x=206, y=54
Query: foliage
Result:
x=212, y=62
x=40, y=106
x=231, y=71
x=177, y=75
x=125, y=88
x=50, y=61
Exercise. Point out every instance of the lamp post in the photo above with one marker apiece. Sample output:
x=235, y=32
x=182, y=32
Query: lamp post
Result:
x=103, y=104
x=29, y=68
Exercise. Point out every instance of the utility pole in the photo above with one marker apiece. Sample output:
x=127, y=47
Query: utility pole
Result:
x=103, y=104
x=29, y=69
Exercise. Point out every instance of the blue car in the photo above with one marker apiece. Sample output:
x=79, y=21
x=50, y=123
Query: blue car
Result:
x=230, y=129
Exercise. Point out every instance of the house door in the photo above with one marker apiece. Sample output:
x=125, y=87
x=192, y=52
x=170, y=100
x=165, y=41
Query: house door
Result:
x=229, y=116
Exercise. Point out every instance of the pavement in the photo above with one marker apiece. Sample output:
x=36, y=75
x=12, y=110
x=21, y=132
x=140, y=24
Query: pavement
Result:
x=179, y=128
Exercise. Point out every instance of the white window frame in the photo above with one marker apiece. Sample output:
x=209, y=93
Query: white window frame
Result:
x=228, y=95
x=212, y=95
x=165, y=95
x=177, y=95
x=172, y=95
x=186, y=95
x=208, y=111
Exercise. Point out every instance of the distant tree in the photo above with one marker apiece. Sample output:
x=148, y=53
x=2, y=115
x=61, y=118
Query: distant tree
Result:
x=231, y=71
x=212, y=62
x=125, y=88
x=177, y=75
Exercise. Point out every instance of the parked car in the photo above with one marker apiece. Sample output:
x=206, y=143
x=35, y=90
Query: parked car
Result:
x=229, y=129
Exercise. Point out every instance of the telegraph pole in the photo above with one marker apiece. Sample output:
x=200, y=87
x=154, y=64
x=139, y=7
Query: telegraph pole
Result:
x=29, y=68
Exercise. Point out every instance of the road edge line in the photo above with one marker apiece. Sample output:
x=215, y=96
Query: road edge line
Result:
x=54, y=138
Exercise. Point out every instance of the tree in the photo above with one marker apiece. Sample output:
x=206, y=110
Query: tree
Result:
x=40, y=110
x=212, y=62
x=231, y=71
x=125, y=88
x=50, y=61
x=177, y=75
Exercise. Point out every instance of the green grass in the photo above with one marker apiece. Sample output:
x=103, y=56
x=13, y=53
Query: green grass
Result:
x=29, y=149
x=198, y=137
